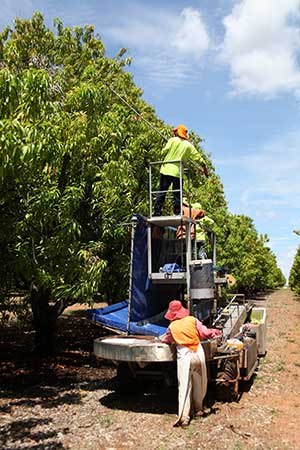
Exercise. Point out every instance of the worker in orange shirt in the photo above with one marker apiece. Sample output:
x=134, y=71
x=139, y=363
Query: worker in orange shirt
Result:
x=193, y=213
x=187, y=332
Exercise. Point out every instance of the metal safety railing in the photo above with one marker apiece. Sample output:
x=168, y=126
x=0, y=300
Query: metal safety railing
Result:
x=182, y=170
x=230, y=313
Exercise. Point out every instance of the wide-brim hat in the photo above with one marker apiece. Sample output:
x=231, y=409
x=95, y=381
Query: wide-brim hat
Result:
x=181, y=131
x=176, y=311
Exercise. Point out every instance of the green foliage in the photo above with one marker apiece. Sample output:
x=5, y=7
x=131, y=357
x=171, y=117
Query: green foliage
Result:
x=250, y=261
x=294, y=278
x=73, y=161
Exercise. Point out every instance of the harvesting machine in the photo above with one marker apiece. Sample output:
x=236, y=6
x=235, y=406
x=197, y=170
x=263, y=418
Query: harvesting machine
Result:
x=163, y=268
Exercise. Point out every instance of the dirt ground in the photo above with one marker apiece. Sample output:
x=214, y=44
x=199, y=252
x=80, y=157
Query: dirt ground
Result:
x=71, y=401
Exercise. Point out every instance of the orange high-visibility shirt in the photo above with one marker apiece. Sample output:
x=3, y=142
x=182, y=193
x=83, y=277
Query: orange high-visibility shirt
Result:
x=194, y=214
x=184, y=332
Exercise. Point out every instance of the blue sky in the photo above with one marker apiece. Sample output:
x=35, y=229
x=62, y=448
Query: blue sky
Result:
x=229, y=70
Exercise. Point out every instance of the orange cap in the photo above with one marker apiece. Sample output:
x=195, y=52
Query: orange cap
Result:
x=181, y=130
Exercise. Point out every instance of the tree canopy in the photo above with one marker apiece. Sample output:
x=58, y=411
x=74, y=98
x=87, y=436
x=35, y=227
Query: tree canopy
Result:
x=294, y=278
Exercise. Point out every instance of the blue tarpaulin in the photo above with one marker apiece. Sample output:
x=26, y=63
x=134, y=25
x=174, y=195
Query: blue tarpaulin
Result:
x=116, y=316
x=147, y=300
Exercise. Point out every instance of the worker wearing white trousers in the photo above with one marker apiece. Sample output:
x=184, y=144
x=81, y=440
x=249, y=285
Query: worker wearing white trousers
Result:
x=186, y=332
x=192, y=382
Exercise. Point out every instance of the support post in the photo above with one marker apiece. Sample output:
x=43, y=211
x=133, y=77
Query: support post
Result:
x=150, y=190
x=149, y=255
x=188, y=261
x=134, y=222
x=214, y=239
x=181, y=184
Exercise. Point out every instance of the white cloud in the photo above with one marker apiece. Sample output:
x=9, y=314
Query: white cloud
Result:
x=166, y=46
x=261, y=46
x=191, y=38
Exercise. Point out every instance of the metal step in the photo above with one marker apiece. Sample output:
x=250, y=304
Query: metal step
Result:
x=168, y=278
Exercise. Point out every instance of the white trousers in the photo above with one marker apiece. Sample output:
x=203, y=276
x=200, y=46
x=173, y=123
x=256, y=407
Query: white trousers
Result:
x=192, y=381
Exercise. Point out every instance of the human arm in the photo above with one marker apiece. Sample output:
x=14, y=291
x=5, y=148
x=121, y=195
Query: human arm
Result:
x=196, y=156
x=207, y=333
x=199, y=214
x=167, y=338
x=207, y=221
x=205, y=170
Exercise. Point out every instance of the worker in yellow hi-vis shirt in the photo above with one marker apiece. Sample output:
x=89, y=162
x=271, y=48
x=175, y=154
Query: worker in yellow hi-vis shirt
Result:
x=201, y=233
x=178, y=148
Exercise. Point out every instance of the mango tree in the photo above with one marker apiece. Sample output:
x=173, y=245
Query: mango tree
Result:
x=248, y=257
x=294, y=278
x=73, y=161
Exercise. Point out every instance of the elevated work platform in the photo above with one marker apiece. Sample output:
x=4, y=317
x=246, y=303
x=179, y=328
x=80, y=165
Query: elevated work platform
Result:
x=169, y=221
x=165, y=278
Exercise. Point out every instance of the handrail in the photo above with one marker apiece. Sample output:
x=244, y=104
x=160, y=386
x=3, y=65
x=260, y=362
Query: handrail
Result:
x=222, y=312
x=180, y=190
x=154, y=163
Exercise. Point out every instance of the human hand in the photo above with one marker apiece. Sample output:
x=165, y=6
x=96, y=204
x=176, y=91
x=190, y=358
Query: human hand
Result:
x=205, y=171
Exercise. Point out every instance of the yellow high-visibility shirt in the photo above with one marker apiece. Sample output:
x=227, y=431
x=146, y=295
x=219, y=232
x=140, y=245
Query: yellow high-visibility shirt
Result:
x=178, y=149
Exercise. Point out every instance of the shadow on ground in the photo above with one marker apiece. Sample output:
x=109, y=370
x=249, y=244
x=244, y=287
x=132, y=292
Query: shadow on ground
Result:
x=156, y=401
x=28, y=381
x=19, y=430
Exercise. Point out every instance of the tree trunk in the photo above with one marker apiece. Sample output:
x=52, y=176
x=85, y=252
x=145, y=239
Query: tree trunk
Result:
x=44, y=320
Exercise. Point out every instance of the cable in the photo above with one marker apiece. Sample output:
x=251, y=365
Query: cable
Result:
x=133, y=109
x=136, y=112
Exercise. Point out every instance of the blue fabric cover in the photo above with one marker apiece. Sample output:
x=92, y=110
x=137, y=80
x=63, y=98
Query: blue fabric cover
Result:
x=147, y=299
x=116, y=316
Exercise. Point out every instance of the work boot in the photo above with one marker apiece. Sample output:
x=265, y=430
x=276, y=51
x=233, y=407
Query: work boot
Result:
x=183, y=422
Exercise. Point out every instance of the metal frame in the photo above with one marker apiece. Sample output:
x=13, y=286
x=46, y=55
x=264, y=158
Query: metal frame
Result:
x=174, y=221
x=183, y=277
x=182, y=169
x=133, y=228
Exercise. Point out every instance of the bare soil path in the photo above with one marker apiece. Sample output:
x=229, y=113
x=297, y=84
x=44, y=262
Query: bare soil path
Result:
x=71, y=402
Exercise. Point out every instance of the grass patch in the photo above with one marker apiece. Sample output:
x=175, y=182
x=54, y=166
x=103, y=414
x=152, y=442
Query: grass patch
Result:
x=279, y=367
x=281, y=334
x=106, y=420
x=190, y=431
x=238, y=446
x=274, y=412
